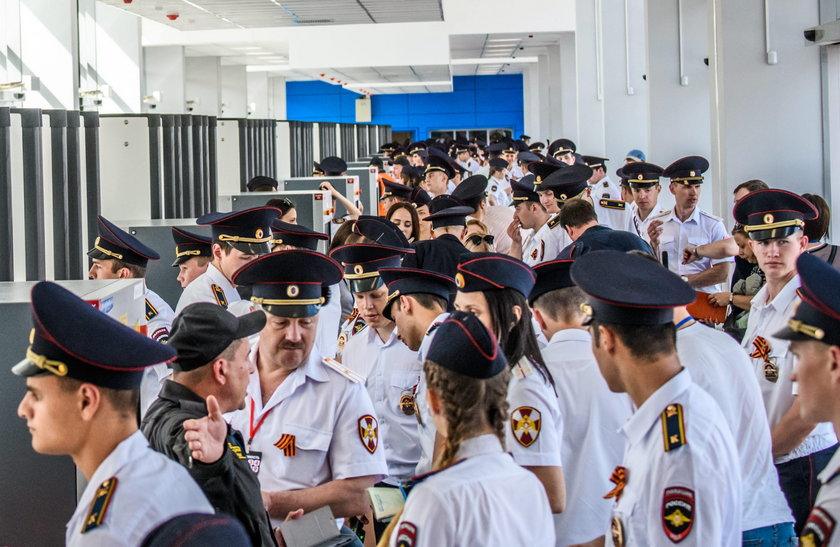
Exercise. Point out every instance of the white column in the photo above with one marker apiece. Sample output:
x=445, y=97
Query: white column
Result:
x=49, y=51
x=277, y=98
x=258, y=97
x=164, y=69
x=531, y=101
x=119, y=59
x=203, y=90
x=590, y=76
x=234, y=90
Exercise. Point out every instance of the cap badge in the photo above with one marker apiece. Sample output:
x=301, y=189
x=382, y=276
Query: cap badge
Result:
x=459, y=280
x=563, y=197
x=259, y=233
x=640, y=177
x=358, y=269
x=768, y=218
x=691, y=173
x=292, y=291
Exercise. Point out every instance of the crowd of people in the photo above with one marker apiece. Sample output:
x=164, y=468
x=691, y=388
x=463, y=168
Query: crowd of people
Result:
x=511, y=348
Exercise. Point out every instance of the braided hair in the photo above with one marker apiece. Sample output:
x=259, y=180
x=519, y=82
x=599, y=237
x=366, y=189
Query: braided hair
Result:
x=468, y=404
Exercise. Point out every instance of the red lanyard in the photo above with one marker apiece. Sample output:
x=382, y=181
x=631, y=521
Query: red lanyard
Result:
x=252, y=429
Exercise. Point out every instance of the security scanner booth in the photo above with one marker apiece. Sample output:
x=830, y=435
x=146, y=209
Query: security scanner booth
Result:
x=368, y=186
x=41, y=491
x=157, y=166
x=48, y=192
x=344, y=185
x=314, y=208
x=161, y=276
x=245, y=148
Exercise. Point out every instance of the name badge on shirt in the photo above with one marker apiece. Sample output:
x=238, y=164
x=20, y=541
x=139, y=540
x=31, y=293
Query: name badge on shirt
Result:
x=254, y=460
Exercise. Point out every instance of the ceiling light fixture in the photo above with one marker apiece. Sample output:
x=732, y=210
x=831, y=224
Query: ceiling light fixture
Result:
x=398, y=84
x=493, y=61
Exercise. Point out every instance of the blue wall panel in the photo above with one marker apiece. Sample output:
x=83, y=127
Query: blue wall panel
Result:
x=476, y=102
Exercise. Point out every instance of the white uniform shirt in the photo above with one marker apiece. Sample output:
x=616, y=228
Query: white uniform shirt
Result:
x=541, y=245
x=329, y=324
x=821, y=524
x=765, y=319
x=515, y=171
x=499, y=188
x=611, y=210
x=159, y=316
x=486, y=499
x=535, y=427
x=498, y=218
x=591, y=448
x=717, y=365
x=426, y=427
x=561, y=238
x=698, y=229
x=316, y=427
x=698, y=481
x=641, y=226
x=150, y=489
x=393, y=373
x=211, y=286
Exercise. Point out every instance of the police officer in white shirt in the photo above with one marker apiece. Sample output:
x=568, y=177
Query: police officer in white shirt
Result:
x=643, y=181
x=773, y=220
x=613, y=211
x=437, y=174
x=814, y=334
x=463, y=158
x=717, y=364
x=686, y=225
x=530, y=214
x=494, y=286
x=192, y=255
x=391, y=369
x=116, y=254
x=563, y=150
x=417, y=303
x=310, y=426
x=592, y=414
x=83, y=372
x=680, y=480
x=286, y=237
x=238, y=238
x=472, y=192
x=477, y=494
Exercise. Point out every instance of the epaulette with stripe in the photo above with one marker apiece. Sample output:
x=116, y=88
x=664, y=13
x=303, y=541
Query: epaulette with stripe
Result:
x=613, y=204
x=522, y=369
x=151, y=311
x=219, y=295
x=554, y=222
x=99, y=505
x=662, y=214
x=351, y=375
x=673, y=427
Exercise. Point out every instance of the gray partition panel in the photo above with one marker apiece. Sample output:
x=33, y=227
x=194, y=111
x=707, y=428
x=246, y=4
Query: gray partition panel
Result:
x=92, y=174
x=161, y=277
x=39, y=490
x=369, y=188
x=171, y=172
x=60, y=222
x=305, y=206
x=75, y=245
x=6, y=252
x=155, y=192
x=187, y=178
x=213, y=186
x=33, y=192
x=312, y=183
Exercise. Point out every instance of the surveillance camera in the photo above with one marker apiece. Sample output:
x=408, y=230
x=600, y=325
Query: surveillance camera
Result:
x=810, y=34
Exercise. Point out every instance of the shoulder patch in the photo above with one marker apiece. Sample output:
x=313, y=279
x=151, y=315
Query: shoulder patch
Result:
x=525, y=423
x=406, y=534
x=358, y=326
x=818, y=528
x=673, y=427
x=662, y=214
x=605, y=184
x=554, y=222
x=160, y=335
x=151, y=311
x=99, y=505
x=613, y=204
x=369, y=432
x=677, y=513
x=219, y=294
x=353, y=376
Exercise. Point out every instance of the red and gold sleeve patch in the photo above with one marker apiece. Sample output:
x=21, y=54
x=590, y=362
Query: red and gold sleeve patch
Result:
x=818, y=528
x=369, y=432
x=406, y=534
x=526, y=422
x=677, y=513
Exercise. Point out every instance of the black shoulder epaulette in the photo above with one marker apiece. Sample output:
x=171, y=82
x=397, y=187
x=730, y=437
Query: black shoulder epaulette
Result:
x=219, y=294
x=673, y=427
x=151, y=311
x=99, y=505
x=554, y=222
x=613, y=204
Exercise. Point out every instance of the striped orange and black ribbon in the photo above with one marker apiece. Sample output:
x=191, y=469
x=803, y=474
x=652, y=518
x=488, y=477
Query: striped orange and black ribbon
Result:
x=286, y=444
x=619, y=479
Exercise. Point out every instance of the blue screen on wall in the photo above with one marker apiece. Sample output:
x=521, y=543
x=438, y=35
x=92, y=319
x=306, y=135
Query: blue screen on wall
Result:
x=476, y=102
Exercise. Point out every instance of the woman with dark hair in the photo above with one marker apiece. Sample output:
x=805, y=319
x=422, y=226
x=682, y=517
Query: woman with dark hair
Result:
x=494, y=287
x=816, y=231
x=404, y=215
x=477, y=495
x=287, y=208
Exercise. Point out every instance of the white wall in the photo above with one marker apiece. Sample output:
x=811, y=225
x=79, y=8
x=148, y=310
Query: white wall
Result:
x=119, y=59
x=258, y=95
x=49, y=51
x=277, y=98
x=234, y=92
x=165, y=72
x=203, y=84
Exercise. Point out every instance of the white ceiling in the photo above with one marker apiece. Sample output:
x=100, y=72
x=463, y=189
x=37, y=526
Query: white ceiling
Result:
x=488, y=46
x=243, y=14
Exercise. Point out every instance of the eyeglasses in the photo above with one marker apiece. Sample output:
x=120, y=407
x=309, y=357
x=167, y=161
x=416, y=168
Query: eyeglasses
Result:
x=476, y=239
